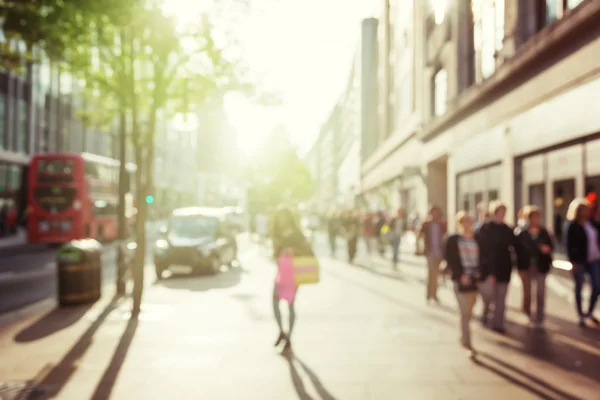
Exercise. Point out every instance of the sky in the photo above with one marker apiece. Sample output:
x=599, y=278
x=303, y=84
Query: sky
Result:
x=301, y=50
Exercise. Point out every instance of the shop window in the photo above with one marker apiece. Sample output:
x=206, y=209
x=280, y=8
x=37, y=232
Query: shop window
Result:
x=440, y=92
x=3, y=178
x=478, y=201
x=14, y=178
x=537, y=197
x=2, y=120
x=592, y=186
x=466, y=204
x=564, y=193
x=488, y=35
x=22, y=130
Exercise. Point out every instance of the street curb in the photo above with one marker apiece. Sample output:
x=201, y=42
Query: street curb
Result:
x=29, y=310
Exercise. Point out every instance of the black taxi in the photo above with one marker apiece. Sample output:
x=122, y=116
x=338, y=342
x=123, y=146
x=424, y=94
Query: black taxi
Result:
x=196, y=240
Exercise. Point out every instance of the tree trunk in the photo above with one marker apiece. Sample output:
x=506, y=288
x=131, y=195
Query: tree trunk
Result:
x=140, y=182
x=123, y=182
x=140, y=233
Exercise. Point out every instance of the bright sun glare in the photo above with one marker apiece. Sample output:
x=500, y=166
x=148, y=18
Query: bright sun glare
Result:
x=307, y=69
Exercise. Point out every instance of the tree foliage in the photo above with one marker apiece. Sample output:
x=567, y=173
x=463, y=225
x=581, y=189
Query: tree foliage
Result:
x=277, y=175
x=135, y=58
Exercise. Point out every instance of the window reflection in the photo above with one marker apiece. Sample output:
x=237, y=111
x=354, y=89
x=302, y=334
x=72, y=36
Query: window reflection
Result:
x=537, y=197
x=488, y=34
x=440, y=92
x=564, y=193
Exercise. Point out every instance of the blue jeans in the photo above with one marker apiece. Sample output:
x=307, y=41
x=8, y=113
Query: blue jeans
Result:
x=579, y=271
x=395, y=249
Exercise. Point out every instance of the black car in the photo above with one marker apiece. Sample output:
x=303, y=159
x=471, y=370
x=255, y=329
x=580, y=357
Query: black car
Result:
x=196, y=240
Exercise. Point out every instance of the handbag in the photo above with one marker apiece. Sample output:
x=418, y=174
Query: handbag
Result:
x=306, y=270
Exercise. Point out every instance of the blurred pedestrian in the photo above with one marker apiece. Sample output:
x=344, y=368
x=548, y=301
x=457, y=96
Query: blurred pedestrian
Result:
x=333, y=230
x=368, y=230
x=3, y=218
x=583, y=250
x=433, y=232
x=534, y=255
x=498, y=244
x=12, y=219
x=351, y=228
x=288, y=240
x=462, y=254
x=397, y=226
x=380, y=223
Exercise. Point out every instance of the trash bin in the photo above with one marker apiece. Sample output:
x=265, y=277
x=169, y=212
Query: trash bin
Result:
x=79, y=265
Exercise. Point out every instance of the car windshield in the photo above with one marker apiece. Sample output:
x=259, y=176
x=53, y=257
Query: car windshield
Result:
x=192, y=226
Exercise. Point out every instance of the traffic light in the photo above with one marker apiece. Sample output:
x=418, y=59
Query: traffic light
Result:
x=149, y=199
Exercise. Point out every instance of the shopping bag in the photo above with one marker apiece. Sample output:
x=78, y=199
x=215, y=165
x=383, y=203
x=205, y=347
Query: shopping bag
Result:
x=284, y=281
x=306, y=270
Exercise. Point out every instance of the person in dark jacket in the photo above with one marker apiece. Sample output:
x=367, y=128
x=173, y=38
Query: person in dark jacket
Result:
x=498, y=242
x=286, y=235
x=583, y=250
x=534, y=256
x=351, y=227
x=433, y=231
x=462, y=253
x=333, y=230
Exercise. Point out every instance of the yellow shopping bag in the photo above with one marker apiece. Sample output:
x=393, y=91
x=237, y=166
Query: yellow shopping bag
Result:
x=306, y=270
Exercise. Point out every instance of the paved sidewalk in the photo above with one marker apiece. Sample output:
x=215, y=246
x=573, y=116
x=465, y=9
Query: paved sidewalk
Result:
x=359, y=336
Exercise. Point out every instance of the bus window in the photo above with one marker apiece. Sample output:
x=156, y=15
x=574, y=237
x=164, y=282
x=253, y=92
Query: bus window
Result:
x=55, y=171
x=91, y=170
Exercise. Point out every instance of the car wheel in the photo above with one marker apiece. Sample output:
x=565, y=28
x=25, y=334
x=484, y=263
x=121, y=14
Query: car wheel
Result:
x=215, y=265
x=234, y=259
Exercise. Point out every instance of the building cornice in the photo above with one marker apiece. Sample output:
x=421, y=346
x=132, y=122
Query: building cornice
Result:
x=537, y=51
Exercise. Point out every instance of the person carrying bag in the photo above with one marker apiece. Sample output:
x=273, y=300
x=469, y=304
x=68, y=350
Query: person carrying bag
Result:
x=296, y=265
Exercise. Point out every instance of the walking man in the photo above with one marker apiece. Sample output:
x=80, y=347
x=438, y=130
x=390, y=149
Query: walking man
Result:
x=433, y=231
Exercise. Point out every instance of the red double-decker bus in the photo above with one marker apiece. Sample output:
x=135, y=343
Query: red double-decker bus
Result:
x=75, y=196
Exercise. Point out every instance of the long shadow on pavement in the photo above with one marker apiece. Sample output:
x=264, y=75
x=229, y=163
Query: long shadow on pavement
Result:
x=395, y=300
x=60, y=374
x=299, y=384
x=109, y=378
x=512, y=374
x=377, y=272
x=54, y=321
x=563, y=348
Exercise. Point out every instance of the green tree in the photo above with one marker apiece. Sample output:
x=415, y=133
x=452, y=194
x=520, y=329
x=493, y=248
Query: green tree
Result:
x=277, y=175
x=140, y=60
